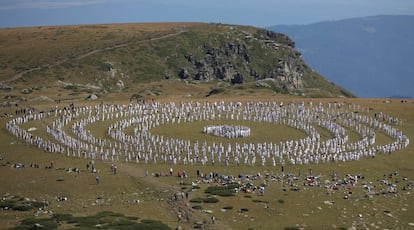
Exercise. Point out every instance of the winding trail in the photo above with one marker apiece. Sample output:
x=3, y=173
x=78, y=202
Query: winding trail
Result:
x=176, y=206
x=84, y=55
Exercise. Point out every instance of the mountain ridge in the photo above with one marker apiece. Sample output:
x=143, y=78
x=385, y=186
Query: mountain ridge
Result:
x=105, y=59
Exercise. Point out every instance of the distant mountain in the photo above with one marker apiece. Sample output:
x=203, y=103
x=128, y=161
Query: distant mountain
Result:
x=371, y=56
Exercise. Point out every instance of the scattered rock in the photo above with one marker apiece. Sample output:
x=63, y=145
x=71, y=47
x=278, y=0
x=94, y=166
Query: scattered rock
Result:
x=388, y=213
x=6, y=87
x=327, y=202
x=26, y=90
x=198, y=225
x=91, y=97
x=262, y=84
x=120, y=84
x=43, y=98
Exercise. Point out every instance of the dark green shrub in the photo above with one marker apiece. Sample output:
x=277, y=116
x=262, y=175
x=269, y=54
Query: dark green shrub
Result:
x=222, y=190
x=62, y=217
x=35, y=204
x=23, y=208
x=292, y=228
x=132, y=217
x=151, y=224
x=31, y=223
x=88, y=221
x=211, y=200
x=259, y=201
x=123, y=224
x=7, y=204
x=197, y=200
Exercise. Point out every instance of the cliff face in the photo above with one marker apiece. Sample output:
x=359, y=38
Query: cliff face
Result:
x=231, y=62
x=242, y=55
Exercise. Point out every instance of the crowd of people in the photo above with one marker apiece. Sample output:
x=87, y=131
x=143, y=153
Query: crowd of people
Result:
x=229, y=131
x=132, y=140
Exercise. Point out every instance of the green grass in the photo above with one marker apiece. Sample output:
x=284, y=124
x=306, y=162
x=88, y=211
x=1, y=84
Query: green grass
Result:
x=221, y=190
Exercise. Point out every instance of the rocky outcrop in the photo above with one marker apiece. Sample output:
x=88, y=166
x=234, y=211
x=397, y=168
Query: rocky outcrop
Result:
x=217, y=63
x=232, y=62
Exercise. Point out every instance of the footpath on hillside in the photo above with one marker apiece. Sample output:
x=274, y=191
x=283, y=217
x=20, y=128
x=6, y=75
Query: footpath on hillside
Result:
x=84, y=55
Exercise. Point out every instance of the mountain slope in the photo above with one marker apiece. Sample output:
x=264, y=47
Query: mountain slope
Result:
x=369, y=56
x=105, y=59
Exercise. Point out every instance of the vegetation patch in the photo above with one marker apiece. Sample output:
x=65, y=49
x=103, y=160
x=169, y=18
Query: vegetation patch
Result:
x=102, y=220
x=197, y=200
x=20, y=204
x=33, y=223
x=204, y=200
x=211, y=200
x=259, y=201
x=292, y=228
x=197, y=207
x=228, y=190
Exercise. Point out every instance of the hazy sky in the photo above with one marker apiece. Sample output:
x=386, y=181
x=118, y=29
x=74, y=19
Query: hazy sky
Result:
x=16, y=13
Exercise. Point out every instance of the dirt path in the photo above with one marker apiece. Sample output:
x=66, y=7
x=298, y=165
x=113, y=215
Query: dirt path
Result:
x=178, y=206
x=81, y=56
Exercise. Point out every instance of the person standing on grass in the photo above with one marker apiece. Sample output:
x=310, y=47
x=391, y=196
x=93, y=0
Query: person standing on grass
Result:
x=213, y=219
x=97, y=180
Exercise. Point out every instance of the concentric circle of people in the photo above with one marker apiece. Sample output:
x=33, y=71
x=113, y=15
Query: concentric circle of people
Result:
x=141, y=146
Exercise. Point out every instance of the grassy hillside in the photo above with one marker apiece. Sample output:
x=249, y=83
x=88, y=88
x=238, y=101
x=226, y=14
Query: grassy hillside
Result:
x=74, y=61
